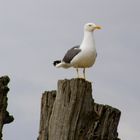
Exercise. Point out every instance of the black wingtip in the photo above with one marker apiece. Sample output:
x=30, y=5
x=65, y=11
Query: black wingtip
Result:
x=56, y=62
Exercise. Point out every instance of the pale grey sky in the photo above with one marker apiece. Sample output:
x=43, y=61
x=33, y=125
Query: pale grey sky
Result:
x=33, y=33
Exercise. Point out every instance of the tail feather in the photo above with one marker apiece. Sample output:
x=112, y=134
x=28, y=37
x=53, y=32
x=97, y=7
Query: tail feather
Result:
x=59, y=63
x=56, y=62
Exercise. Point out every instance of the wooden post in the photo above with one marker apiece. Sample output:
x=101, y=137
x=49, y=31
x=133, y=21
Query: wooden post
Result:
x=71, y=114
x=4, y=114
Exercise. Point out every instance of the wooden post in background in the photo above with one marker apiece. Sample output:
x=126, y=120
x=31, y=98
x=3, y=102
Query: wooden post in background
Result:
x=70, y=113
x=4, y=114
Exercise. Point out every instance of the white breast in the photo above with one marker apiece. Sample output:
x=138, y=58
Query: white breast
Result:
x=87, y=56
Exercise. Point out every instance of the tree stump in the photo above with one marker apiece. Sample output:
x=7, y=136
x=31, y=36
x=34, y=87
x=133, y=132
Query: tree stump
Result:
x=70, y=113
x=4, y=114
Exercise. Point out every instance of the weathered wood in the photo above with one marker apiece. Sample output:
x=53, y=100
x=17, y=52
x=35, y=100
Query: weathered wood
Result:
x=107, y=123
x=4, y=114
x=46, y=110
x=73, y=115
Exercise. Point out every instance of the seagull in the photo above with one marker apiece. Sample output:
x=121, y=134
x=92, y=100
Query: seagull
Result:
x=81, y=56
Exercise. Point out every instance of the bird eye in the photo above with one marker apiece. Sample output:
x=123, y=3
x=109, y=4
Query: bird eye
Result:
x=89, y=25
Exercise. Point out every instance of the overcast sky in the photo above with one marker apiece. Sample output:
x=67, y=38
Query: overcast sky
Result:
x=33, y=33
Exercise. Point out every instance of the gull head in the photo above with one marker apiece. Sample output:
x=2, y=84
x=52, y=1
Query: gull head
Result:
x=90, y=27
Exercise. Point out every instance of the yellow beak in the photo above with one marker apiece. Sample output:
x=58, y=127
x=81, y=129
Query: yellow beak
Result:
x=98, y=27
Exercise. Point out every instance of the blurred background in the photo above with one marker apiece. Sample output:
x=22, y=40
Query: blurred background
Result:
x=34, y=33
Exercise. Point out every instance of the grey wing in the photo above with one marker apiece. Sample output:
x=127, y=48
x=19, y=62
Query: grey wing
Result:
x=71, y=53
